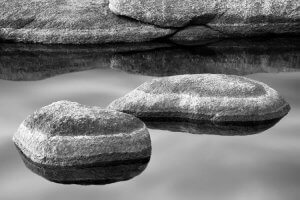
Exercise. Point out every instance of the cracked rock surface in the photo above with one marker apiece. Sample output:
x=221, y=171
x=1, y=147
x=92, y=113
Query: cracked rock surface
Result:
x=205, y=97
x=70, y=134
x=70, y=22
x=231, y=18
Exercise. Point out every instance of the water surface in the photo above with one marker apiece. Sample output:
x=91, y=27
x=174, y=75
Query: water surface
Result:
x=182, y=166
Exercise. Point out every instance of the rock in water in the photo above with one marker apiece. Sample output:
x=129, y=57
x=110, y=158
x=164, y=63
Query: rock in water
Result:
x=204, y=97
x=210, y=128
x=69, y=134
x=70, y=21
x=228, y=17
x=99, y=174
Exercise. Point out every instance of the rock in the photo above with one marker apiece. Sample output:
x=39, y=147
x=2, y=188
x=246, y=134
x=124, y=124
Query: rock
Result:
x=236, y=57
x=201, y=34
x=206, y=128
x=234, y=18
x=204, y=97
x=70, y=22
x=100, y=174
x=69, y=134
x=31, y=62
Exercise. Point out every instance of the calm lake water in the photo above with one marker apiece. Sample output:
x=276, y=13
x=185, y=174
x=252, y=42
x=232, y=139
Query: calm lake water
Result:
x=262, y=166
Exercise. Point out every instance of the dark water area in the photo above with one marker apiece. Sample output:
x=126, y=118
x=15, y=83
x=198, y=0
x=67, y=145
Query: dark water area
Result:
x=188, y=161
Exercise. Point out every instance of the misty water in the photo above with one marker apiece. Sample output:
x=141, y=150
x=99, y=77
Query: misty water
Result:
x=187, y=161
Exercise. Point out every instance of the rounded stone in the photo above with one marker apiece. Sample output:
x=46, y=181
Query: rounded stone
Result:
x=204, y=97
x=66, y=133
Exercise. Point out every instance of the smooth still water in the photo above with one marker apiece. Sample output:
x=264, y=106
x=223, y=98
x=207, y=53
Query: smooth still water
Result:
x=262, y=166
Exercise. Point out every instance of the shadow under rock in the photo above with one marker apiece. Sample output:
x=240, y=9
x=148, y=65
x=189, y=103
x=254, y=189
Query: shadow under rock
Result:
x=31, y=62
x=209, y=128
x=236, y=57
x=96, y=174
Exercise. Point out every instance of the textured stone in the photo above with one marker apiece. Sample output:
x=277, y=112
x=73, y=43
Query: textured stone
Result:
x=70, y=21
x=236, y=57
x=205, y=97
x=237, y=18
x=210, y=128
x=30, y=62
x=100, y=174
x=69, y=134
x=201, y=34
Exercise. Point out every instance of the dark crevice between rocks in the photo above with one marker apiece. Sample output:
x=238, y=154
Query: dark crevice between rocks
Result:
x=26, y=23
x=203, y=20
x=17, y=23
x=159, y=39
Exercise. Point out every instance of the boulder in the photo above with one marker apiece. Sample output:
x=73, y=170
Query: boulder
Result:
x=204, y=97
x=69, y=134
x=236, y=57
x=231, y=18
x=207, y=128
x=99, y=174
x=202, y=34
x=70, y=22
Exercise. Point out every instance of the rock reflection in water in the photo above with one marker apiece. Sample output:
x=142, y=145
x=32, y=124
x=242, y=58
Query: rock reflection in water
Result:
x=26, y=62
x=31, y=62
x=96, y=174
x=208, y=128
x=238, y=57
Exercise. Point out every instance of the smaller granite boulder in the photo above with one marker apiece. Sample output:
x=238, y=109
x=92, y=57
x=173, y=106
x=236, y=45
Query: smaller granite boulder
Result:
x=69, y=134
x=204, y=97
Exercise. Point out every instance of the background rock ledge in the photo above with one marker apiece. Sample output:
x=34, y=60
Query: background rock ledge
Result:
x=70, y=22
x=215, y=19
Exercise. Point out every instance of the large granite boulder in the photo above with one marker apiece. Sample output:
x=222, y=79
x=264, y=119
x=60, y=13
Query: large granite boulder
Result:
x=236, y=57
x=99, y=174
x=233, y=18
x=205, y=97
x=208, y=128
x=70, y=21
x=69, y=134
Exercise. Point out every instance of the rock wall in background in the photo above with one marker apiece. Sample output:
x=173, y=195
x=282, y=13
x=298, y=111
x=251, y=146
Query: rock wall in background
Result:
x=215, y=18
x=70, y=22
x=92, y=22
